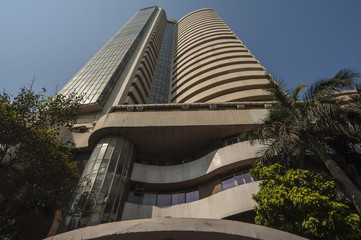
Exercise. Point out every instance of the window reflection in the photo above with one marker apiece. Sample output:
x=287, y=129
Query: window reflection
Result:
x=160, y=89
x=247, y=177
x=113, y=55
x=192, y=196
x=228, y=183
x=238, y=179
x=178, y=198
x=93, y=195
x=163, y=199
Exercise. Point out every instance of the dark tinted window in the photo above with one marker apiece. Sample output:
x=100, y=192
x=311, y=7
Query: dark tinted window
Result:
x=228, y=183
x=164, y=200
x=192, y=196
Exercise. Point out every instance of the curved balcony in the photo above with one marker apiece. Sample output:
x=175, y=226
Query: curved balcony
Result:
x=239, y=154
x=221, y=205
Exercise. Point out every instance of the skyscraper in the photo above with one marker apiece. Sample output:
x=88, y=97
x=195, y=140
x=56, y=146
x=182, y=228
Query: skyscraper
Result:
x=164, y=105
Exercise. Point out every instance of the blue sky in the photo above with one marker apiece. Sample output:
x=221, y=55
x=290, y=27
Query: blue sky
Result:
x=296, y=41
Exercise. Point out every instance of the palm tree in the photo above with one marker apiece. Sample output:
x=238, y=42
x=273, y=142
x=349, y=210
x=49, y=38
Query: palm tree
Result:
x=324, y=125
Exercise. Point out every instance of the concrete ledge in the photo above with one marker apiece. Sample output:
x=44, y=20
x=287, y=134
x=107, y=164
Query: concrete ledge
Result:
x=176, y=228
x=191, y=106
x=220, y=205
x=209, y=165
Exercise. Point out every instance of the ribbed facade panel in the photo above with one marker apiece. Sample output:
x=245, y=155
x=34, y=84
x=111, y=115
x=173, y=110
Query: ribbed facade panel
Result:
x=211, y=64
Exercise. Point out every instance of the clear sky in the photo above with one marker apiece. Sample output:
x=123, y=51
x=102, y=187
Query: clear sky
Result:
x=296, y=41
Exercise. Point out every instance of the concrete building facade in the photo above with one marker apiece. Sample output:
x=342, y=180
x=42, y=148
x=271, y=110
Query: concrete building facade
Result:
x=165, y=103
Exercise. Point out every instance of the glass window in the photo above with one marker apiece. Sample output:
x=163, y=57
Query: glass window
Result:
x=89, y=181
x=103, y=167
x=107, y=182
x=164, y=200
x=98, y=182
x=240, y=179
x=228, y=183
x=160, y=90
x=94, y=154
x=192, y=196
x=134, y=199
x=84, y=218
x=247, y=177
x=149, y=198
x=255, y=178
x=96, y=165
x=111, y=166
x=102, y=151
x=89, y=167
x=120, y=47
x=108, y=153
x=182, y=198
x=178, y=198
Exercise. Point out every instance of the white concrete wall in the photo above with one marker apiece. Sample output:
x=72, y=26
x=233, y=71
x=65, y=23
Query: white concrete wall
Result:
x=220, y=205
x=211, y=162
x=176, y=228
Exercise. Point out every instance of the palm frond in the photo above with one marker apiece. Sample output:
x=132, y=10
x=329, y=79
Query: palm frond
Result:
x=293, y=127
x=279, y=151
x=343, y=80
x=339, y=122
x=277, y=89
x=261, y=133
x=296, y=92
x=346, y=78
x=272, y=152
x=358, y=87
x=356, y=97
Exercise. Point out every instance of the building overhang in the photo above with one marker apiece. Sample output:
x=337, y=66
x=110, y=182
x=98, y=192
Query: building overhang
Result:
x=177, y=129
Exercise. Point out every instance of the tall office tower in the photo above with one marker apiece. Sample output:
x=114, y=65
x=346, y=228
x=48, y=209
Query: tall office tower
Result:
x=159, y=129
x=210, y=64
x=160, y=89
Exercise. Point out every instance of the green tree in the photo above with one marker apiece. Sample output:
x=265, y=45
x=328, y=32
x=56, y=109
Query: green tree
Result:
x=304, y=203
x=36, y=170
x=315, y=127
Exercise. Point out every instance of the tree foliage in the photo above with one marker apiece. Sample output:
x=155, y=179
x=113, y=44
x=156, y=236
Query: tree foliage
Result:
x=324, y=125
x=293, y=128
x=35, y=166
x=304, y=203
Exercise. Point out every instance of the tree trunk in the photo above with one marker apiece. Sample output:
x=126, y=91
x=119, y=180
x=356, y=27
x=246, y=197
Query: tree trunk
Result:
x=347, y=185
x=350, y=189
